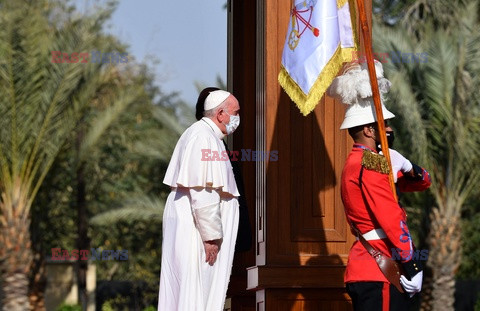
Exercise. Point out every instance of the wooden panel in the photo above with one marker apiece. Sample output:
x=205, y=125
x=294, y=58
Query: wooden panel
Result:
x=242, y=82
x=261, y=277
x=243, y=303
x=261, y=120
x=315, y=174
x=307, y=299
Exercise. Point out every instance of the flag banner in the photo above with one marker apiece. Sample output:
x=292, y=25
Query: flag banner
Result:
x=320, y=37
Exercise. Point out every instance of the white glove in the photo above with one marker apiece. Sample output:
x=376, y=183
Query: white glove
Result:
x=414, y=286
x=399, y=163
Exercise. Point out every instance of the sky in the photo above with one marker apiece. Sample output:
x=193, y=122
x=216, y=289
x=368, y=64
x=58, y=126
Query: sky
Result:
x=188, y=38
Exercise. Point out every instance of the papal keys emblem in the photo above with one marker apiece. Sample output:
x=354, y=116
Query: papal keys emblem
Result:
x=301, y=15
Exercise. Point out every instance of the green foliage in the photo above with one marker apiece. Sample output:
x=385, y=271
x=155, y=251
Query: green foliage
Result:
x=150, y=308
x=38, y=108
x=42, y=102
x=436, y=101
x=107, y=306
x=109, y=120
x=477, y=305
x=390, y=11
x=68, y=307
x=437, y=104
x=470, y=267
x=118, y=303
x=125, y=197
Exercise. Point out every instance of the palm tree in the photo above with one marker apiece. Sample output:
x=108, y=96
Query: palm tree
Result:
x=437, y=96
x=41, y=104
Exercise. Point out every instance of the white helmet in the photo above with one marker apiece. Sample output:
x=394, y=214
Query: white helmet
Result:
x=353, y=89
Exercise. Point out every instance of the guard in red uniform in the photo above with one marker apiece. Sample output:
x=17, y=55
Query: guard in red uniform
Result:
x=369, y=203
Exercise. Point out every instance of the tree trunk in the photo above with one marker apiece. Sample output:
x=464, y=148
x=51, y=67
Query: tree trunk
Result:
x=83, y=242
x=444, y=258
x=38, y=282
x=15, y=291
x=426, y=293
x=15, y=259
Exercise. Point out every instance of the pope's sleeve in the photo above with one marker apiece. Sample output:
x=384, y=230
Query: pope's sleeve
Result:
x=205, y=204
x=388, y=214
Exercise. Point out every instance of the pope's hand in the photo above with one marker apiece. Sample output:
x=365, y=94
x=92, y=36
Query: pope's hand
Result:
x=414, y=286
x=211, y=251
x=399, y=163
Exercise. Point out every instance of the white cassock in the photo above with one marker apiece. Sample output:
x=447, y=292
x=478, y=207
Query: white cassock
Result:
x=202, y=206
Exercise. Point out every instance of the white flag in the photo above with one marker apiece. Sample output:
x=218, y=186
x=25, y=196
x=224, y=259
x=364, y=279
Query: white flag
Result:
x=320, y=38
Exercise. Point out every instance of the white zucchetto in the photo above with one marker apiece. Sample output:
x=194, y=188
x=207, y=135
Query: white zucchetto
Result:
x=215, y=98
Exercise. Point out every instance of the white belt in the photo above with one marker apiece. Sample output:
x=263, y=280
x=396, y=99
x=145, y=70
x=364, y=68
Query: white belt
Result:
x=375, y=234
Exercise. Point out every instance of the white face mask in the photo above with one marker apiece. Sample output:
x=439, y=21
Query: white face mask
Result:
x=233, y=124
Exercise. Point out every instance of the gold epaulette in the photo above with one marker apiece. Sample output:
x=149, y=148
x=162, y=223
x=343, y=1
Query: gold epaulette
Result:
x=375, y=162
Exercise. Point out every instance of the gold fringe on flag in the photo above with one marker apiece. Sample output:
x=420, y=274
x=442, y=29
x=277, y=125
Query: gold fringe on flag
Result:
x=305, y=103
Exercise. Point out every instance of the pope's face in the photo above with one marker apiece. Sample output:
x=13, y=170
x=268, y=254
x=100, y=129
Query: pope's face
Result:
x=231, y=109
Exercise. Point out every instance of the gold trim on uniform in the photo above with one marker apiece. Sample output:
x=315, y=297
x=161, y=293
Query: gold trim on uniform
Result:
x=375, y=162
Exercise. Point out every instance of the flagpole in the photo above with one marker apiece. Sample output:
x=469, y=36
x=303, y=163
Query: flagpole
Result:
x=367, y=40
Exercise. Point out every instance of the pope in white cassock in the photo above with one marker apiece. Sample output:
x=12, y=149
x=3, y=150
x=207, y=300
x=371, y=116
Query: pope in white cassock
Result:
x=200, y=220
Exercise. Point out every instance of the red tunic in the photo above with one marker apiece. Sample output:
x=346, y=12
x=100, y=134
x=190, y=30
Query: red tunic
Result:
x=369, y=204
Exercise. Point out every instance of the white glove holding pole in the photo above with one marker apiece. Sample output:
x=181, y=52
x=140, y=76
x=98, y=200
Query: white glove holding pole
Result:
x=414, y=286
x=399, y=163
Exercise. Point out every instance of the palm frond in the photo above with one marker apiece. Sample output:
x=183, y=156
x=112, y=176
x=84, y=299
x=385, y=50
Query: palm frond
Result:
x=438, y=104
x=138, y=209
x=167, y=118
x=101, y=123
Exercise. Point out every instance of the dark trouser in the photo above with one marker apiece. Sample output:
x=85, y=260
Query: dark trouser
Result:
x=377, y=296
